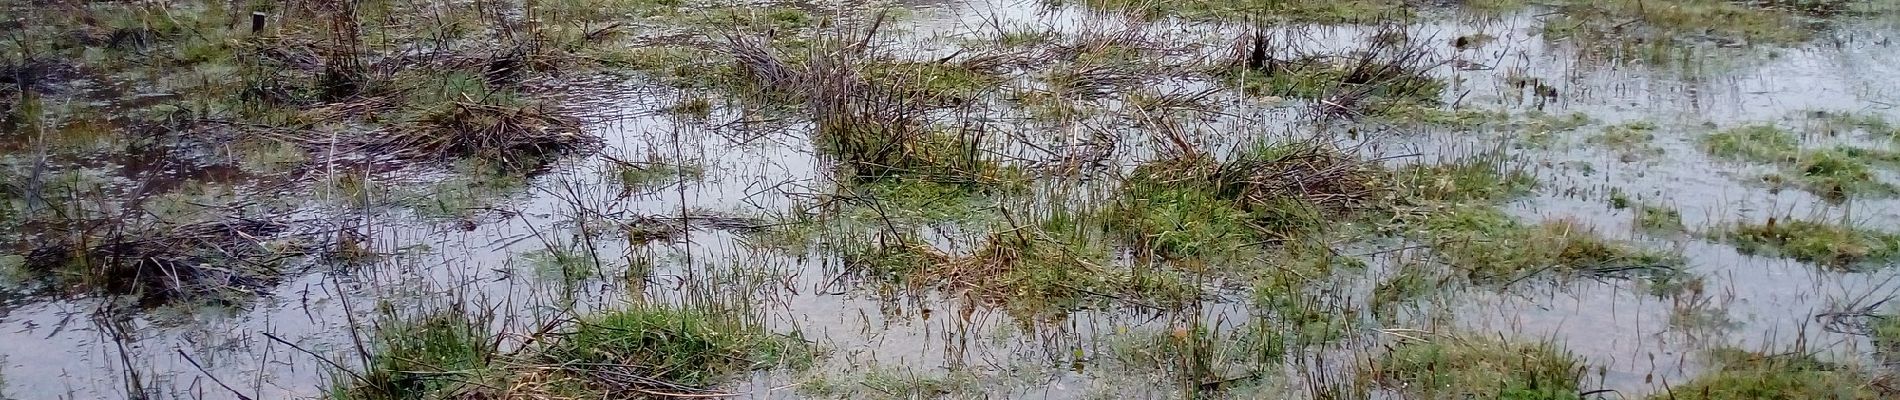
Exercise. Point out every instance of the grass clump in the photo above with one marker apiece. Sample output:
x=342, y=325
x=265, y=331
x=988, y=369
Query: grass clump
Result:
x=1631, y=140
x=1493, y=247
x=1839, y=173
x=1480, y=368
x=1475, y=181
x=1273, y=193
x=1759, y=143
x=432, y=356
x=653, y=173
x=1741, y=374
x=882, y=383
x=1833, y=173
x=1829, y=245
x=1885, y=330
x=1655, y=218
x=1037, y=270
x=684, y=346
x=649, y=350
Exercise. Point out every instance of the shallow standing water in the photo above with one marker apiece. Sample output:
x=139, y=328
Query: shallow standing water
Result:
x=756, y=166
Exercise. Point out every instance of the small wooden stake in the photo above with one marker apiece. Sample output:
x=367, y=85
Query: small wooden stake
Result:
x=257, y=21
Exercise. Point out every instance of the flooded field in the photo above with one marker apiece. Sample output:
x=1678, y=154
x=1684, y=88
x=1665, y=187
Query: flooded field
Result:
x=585, y=199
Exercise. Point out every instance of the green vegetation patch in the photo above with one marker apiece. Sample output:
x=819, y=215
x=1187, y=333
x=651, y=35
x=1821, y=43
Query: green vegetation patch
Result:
x=645, y=349
x=1885, y=330
x=1270, y=194
x=1631, y=140
x=1481, y=368
x=1759, y=143
x=1833, y=173
x=1742, y=374
x=424, y=357
x=1829, y=245
x=1490, y=246
x=1659, y=219
x=1454, y=207
x=1039, y=270
x=891, y=383
x=685, y=346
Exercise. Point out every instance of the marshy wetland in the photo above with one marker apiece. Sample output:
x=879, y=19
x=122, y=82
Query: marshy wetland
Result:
x=583, y=199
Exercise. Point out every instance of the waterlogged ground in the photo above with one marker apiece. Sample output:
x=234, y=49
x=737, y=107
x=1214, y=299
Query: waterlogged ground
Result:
x=711, y=196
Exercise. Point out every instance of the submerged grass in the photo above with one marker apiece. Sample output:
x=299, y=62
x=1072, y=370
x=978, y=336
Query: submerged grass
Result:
x=1835, y=173
x=1490, y=246
x=1454, y=208
x=1474, y=367
x=1662, y=32
x=1741, y=374
x=1826, y=244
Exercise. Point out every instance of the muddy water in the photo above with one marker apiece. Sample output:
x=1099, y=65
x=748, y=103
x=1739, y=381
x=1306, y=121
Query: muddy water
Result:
x=759, y=164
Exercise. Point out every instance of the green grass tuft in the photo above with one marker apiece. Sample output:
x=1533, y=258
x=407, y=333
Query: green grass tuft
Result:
x=1493, y=247
x=1748, y=375
x=424, y=358
x=1474, y=367
x=1829, y=245
x=1658, y=219
x=1759, y=143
